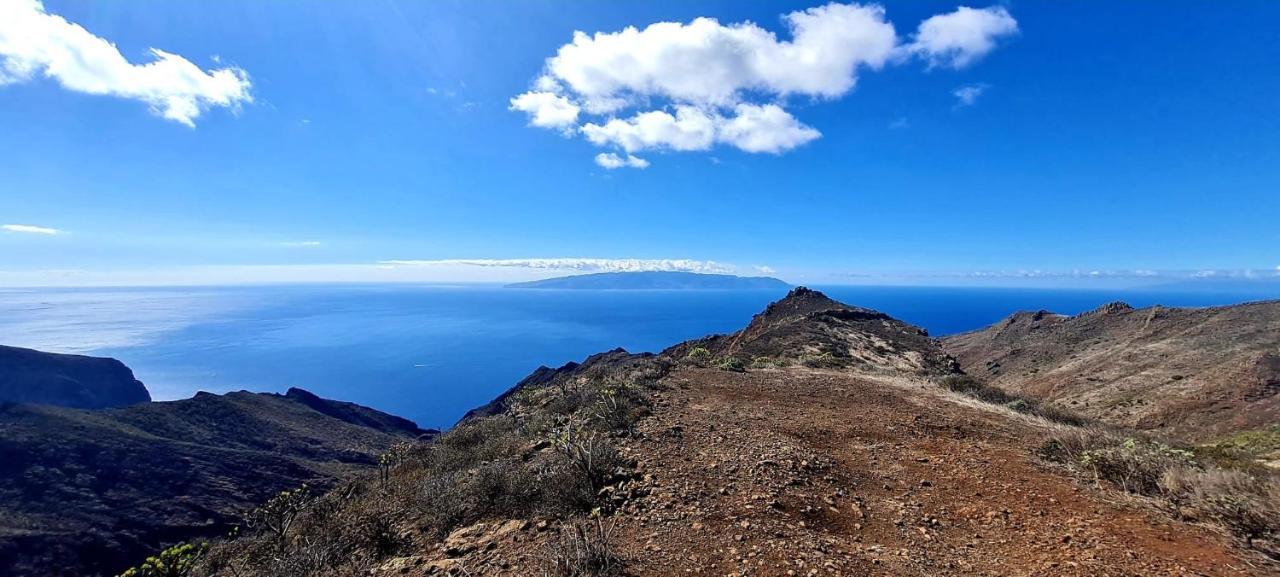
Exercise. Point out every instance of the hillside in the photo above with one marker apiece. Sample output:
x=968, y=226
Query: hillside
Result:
x=822, y=439
x=90, y=492
x=29, y=376
x=1196, y=373
x=655, y=280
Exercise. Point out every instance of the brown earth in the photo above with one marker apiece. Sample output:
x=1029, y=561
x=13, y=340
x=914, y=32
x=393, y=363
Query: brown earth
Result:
x=1189, y=372
x=797, y=471
x=819, y=440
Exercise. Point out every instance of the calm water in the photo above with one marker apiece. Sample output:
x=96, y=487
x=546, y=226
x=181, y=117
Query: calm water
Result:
x=429, y=353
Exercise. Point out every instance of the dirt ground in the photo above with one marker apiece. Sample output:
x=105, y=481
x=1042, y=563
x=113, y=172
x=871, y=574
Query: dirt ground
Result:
x=802, y=472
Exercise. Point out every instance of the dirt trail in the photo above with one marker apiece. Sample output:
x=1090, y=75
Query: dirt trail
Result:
x=786, y=472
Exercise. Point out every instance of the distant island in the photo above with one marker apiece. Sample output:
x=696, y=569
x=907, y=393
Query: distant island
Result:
x=655, y=280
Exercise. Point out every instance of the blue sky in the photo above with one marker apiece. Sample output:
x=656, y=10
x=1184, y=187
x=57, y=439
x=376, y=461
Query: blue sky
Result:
x=371, y=139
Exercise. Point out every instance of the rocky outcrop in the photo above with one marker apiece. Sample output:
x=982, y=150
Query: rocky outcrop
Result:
x=30, y=376
x=808, y=328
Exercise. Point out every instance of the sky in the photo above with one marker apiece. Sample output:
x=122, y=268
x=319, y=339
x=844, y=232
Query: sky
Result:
x=215, y=142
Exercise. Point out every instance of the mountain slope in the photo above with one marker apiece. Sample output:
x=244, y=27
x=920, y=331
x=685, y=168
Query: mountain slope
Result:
x=29, y=376
x=91, y=492
x=1191, y=372
x=654, y=280
x=863, y=466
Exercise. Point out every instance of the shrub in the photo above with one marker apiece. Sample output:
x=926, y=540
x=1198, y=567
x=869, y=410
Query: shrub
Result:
x=176, y=561
x=475, y=442
x=733, y=364
x=278, y=514
x=1246, y=505
x=698, y=356
x=1135, y=465
x=618, y=408
x=584, y=550
x=590, y=453
x=761, y=363
x=821, y=361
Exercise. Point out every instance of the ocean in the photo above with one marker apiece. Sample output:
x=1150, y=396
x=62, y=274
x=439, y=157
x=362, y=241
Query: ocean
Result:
x=430, y=353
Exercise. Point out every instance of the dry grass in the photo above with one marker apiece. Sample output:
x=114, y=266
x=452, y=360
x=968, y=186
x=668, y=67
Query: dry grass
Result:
x=1245, y=502
x=584, y=549
x=976, y=389
x=547, y=456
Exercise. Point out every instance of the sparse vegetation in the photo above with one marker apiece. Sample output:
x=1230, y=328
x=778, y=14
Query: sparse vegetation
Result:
x=175, y=561
x=733, y=364
x=823, y=360
x=971, y=387
x=1246, y=502
x=279, y=513
x=698, y=356
x=551, y=453
x=584, y=550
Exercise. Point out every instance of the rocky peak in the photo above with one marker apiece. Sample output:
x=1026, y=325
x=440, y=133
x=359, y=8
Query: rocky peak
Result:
x=1112, y=308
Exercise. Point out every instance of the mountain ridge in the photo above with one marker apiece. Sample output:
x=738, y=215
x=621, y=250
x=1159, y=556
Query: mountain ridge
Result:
x=1195, y=372
x=653, y=280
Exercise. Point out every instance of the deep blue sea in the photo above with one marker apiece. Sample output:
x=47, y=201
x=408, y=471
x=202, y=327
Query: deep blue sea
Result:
x=430, y=353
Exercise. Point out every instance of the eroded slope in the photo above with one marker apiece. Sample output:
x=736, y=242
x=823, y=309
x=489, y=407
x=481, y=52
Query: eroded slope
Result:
x=1192, y=372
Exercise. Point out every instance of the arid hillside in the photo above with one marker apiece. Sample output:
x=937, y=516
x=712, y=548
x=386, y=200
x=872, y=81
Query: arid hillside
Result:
x=86, y=493
x=1196, y=373
x=822, y=439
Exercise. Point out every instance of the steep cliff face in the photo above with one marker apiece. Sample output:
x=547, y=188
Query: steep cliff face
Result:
x=29, y=376
x=1195, y=372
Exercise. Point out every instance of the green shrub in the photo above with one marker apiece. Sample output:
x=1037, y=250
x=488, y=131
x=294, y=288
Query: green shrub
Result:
x=698, y=356
x=733, y=364
x=176, y=561
x=761, y=363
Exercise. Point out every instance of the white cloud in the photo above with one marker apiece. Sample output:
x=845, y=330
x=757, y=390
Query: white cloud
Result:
x=960, y=38
x=692, y=86
x=577, y=264
x=546, y=109
x=610, y=161
x=29, y=229
x=753, y=128
x=968, y=94
x=35, y=43
x=766, y=128
x=302, y=244
x=708, y=63
x=762, y=269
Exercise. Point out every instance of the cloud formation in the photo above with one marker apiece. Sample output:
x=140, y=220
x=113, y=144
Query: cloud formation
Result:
x=578, y=264
x=30, y=229
x=691, y=87
x=610, y=161
x=968, y=94
x=960, y=38
x=36, y=43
